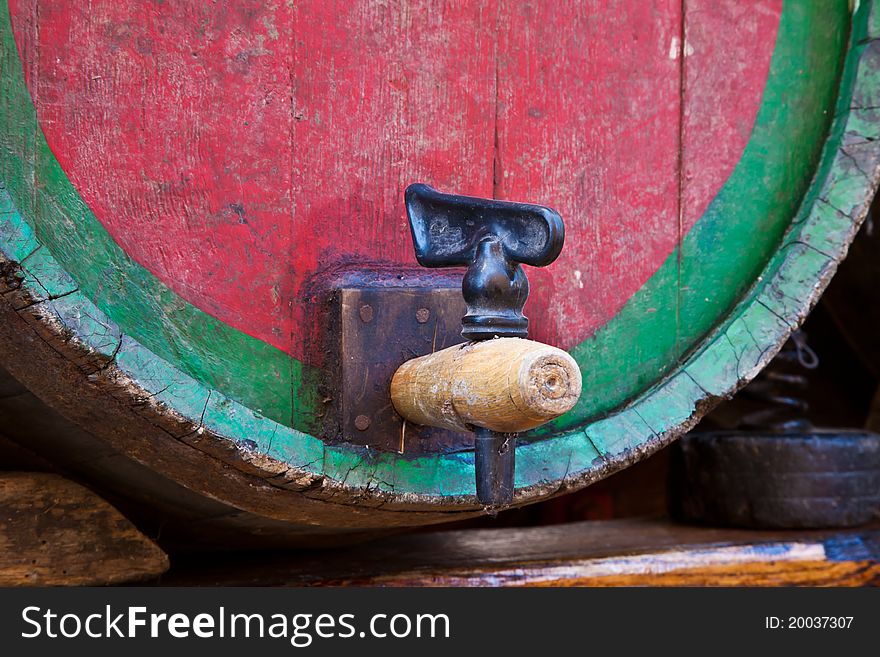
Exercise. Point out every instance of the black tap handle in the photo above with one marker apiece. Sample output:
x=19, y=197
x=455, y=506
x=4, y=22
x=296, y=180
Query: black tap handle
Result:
x=491, y=238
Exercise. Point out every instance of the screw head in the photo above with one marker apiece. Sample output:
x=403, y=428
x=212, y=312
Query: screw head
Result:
x=366, y=313
x=422, y=315
x=362, y=422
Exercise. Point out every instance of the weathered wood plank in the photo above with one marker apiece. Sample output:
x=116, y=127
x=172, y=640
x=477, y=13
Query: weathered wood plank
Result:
x=598, y=553
x=55, y=532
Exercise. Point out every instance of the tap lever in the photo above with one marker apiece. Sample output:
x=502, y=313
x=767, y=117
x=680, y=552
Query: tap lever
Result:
x=495, y=388
x=492, y=239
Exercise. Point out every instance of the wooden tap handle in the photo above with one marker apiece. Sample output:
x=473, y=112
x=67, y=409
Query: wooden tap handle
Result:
x=506, y=385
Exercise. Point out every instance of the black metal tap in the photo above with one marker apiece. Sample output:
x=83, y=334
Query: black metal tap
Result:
x=493, y=239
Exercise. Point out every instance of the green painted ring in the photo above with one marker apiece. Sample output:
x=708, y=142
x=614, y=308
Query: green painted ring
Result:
x=827, y=199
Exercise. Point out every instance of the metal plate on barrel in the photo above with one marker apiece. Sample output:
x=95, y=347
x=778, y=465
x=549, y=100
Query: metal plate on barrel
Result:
x=380, y=328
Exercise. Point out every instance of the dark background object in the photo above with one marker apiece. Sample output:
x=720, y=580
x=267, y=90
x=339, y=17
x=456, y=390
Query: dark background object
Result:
x=816, y=479
x=853, y=297
x=790, y=451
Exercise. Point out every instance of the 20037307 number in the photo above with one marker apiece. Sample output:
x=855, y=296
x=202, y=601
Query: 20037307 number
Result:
x=808, y=622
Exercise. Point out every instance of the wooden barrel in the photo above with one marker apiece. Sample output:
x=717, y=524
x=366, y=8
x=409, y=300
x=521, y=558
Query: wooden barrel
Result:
x=193, y=195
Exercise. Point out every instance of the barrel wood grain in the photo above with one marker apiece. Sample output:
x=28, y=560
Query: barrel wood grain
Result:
x=666, y=288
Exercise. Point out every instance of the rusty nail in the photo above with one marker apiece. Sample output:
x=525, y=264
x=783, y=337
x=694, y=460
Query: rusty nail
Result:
x=366, y=313
x=422, y=315
x=362, y=422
